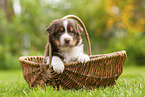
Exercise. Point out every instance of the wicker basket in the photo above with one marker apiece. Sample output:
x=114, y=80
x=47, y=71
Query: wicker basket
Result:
x=101, y=70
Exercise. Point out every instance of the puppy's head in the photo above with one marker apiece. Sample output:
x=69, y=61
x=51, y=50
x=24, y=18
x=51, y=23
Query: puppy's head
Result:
x=65, y=33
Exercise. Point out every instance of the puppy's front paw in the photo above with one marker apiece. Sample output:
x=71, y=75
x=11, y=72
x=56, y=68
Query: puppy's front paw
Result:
x=57, y=64
x=84, y=58
x=58, y=67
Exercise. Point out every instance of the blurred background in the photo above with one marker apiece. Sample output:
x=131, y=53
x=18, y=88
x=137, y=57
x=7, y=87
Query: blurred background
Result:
x=113, y=25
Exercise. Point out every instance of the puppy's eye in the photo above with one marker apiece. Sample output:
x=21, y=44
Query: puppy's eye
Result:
x=59, y=32
x=73, y=32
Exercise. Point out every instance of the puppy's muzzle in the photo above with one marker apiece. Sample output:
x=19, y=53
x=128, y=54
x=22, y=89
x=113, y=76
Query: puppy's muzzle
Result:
x=67, y=41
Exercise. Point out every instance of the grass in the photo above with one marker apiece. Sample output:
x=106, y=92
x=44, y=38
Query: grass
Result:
x=130, y=83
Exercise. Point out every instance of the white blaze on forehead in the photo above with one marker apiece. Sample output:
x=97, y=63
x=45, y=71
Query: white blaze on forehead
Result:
x=65, y=34
x=65, y=25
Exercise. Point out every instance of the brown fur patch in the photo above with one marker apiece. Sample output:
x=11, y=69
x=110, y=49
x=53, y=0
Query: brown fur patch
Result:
x=71, y=29
x=62, y=29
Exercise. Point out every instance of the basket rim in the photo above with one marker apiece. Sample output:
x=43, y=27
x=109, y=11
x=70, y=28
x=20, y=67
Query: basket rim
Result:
x=93, y=58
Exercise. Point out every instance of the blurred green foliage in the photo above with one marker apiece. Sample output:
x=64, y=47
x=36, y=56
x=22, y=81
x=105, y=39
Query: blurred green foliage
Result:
x=112, y=26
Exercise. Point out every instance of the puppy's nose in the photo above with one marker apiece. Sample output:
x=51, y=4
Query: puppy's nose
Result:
x=67, y=40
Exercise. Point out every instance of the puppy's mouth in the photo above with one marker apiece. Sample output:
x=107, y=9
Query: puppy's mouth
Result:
x=66, y=46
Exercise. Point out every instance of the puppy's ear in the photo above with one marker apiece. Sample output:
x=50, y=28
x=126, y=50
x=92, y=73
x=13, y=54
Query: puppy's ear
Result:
x=51, y=28
x=79, y=29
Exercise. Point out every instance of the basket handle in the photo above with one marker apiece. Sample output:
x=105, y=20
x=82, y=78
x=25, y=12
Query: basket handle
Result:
x=48, y=49
x=85, y=33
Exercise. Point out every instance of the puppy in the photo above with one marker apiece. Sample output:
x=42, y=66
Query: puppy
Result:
x=66, y=42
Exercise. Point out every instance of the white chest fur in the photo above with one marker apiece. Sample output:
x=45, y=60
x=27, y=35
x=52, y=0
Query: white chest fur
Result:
x=71, y=54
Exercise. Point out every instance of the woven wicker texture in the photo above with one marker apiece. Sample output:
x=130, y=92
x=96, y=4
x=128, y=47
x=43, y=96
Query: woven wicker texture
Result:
x=101, y=70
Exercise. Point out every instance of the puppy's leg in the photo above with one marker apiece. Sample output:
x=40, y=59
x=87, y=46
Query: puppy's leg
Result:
x=83, y=58
x=57, y=64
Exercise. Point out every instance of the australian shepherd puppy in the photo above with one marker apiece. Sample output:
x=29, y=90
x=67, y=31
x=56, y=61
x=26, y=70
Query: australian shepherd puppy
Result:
x=66, y=42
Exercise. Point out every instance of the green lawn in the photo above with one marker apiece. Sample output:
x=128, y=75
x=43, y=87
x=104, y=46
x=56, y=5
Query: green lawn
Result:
x=130, y=83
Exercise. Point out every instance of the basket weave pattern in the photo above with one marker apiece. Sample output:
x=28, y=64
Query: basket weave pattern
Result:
x=101, y=70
